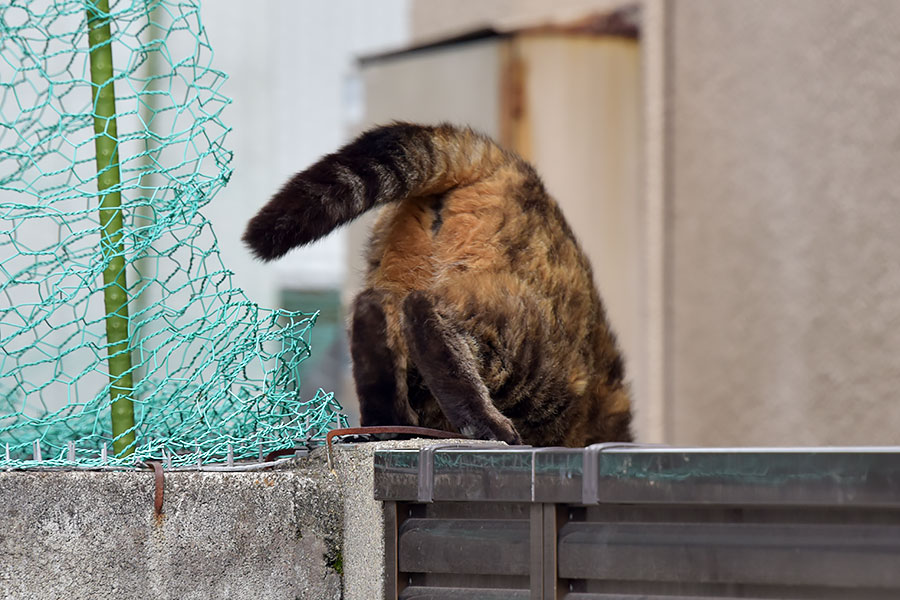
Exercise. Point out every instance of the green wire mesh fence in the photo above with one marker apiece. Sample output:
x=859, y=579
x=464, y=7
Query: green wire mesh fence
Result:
x=207, y=373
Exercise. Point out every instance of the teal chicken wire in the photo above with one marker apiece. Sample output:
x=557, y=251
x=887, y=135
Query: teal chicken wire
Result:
x=213, y=374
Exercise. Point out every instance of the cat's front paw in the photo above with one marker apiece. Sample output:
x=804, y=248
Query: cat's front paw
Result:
x=499, y=428
x=506, y=432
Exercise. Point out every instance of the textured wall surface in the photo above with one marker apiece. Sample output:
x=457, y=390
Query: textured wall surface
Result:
x=300, y=532
x=222, y=535
x=783, y=227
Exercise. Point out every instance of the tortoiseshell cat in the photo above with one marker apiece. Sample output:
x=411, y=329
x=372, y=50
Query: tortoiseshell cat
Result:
x=479, y=313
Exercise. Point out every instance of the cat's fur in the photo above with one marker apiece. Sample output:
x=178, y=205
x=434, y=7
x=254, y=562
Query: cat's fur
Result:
x=479, y=313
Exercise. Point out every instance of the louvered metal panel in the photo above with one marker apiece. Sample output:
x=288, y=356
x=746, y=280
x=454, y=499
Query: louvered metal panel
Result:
x=811, y=554
x=632, y=522
x=465, y=546
x=446, y=593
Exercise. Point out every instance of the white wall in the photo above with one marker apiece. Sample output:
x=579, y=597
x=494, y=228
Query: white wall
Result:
x=289, y=63
x=291, y=67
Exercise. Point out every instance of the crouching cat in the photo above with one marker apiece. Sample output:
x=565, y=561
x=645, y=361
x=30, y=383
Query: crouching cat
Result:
x=479, y=313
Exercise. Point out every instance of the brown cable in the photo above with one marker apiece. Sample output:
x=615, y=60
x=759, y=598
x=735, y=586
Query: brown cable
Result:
x=425, y=432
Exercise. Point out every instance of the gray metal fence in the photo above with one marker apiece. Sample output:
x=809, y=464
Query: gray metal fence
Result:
x=626, y=522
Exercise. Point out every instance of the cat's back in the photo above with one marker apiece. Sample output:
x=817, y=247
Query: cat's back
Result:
x=504, y=224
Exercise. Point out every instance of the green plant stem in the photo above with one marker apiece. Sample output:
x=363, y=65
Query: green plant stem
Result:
x=115, y=284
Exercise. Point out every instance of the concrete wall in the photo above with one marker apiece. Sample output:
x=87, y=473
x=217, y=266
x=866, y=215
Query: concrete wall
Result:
x=300, y=532
x=86, y=535
x=783, y=203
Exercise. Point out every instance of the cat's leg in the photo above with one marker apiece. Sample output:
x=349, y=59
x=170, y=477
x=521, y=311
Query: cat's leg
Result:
x=375, y=365
x=445, y=360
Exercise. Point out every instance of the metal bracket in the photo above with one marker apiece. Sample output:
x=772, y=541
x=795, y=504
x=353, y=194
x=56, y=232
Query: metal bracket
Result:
x=158, y=484
x=590, y=462
x=426, y=464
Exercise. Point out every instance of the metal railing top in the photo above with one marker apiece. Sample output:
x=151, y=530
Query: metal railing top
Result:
x=635, y=474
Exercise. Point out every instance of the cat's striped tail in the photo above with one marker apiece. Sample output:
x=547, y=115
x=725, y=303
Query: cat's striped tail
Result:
x=385, y=164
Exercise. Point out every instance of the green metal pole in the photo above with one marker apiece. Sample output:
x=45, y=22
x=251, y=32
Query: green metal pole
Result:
x=115, y=285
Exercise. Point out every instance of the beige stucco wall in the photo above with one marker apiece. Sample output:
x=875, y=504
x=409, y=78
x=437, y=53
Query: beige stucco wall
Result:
x=782, y=249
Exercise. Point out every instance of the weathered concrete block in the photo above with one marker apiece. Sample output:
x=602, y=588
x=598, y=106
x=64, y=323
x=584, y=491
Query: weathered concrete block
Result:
x=268, y=534
x=302, y=531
